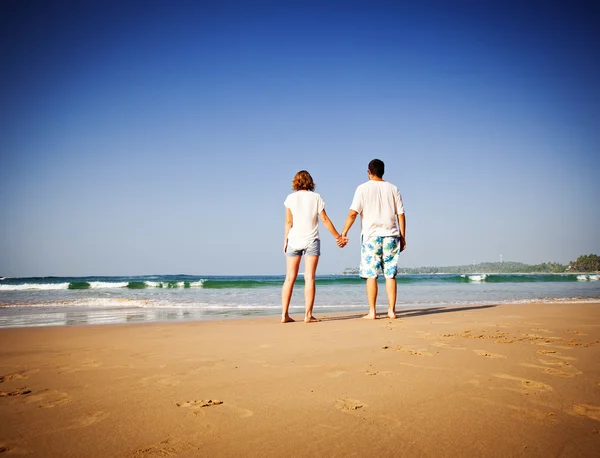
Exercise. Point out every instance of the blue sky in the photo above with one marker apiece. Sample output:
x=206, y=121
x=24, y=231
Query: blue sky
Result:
x=162, y=137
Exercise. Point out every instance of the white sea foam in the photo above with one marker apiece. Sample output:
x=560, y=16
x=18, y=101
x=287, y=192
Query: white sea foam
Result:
x=36, y=286
x=90, y=302
x=164, y=284
x=109, y=302
x=154, y=284
x=170, y=284
x=108, y=284
x=98, y=285
x=583, y=277
x=478, y=278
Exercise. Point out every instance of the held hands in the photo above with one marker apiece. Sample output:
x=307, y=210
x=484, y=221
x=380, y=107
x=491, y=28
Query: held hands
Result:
x=342, y=241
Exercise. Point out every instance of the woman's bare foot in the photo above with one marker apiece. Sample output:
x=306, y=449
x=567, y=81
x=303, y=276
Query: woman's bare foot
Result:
x=370, y=316
x=287, y=319
x=392, y=315
x=310, y=319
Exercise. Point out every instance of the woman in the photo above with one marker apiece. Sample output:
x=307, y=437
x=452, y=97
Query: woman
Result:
x=301, y=237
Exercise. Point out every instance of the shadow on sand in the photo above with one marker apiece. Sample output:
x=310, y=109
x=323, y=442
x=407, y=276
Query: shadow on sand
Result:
x=410, y=312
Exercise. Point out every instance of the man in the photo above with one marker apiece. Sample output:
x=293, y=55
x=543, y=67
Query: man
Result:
x=379, y=205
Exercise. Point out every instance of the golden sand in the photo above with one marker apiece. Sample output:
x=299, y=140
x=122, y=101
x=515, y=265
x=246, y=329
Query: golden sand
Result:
x=496, y=381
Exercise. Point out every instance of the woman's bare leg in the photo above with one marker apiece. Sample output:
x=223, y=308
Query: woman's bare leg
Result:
x=292, y=265
x=310, y=270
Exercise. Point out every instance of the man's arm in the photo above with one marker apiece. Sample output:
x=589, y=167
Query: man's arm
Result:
x=402, y=226
x=352, y=214
x=289, y=222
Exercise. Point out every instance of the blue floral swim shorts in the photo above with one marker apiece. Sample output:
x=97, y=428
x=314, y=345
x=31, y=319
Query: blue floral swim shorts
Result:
x=379, y=253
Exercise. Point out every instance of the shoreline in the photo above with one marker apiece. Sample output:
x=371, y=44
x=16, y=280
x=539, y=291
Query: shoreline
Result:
x=484, y=380
x=82, y=316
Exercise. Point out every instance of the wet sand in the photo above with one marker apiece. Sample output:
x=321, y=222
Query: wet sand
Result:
x=496, y=381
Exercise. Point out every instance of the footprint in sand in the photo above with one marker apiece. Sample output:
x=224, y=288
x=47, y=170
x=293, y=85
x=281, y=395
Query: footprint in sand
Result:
x=562, y=364
x=15, y=450
x=86, y=364
x=528, y=385
x=167, y=447
x=49, y=398
x=559, y=373
x=445, y=345
x=587, y=410
x=505, y=340
x=19, y=392
x=197, y=407
x=199, y=404
x=573, y=342
x=348, y=405
x=412, y=352
x=90, y=419
x=528, y=413
x=570, y=371
x=555, y=344
x=487, y=354
x=555, y=354
x=17, y=375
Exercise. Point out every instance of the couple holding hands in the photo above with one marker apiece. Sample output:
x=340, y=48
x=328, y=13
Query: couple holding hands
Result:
x=379, y=205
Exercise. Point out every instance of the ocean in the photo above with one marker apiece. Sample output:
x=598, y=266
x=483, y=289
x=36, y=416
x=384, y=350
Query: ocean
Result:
x=65, y=301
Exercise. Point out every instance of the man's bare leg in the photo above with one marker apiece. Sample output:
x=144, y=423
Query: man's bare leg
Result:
x=390, y=289
x=372, y=298
x=292, y=265
x=310, y=269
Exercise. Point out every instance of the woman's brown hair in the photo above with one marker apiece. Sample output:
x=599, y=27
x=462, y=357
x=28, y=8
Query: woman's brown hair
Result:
x=303, y=182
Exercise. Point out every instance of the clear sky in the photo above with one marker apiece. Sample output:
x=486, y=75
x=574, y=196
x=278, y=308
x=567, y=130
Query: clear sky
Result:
x=162, y=137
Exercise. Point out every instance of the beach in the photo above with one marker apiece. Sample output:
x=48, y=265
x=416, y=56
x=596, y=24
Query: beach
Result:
x=478, y=380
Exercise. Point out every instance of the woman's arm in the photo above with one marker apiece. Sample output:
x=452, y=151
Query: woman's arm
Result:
x=329, y=225
x=289, y=222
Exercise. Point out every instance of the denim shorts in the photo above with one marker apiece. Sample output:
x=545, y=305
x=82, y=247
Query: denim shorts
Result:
x=313, y=249
x=379, y=253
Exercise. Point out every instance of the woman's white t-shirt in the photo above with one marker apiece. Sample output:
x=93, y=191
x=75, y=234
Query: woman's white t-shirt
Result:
x=305, y=207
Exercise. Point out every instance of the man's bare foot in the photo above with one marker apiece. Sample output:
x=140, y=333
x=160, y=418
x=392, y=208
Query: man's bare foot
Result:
x=370, y=316
x=287, y=319
x=310, y=319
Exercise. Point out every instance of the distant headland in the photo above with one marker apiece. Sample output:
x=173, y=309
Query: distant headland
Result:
x=585, y=263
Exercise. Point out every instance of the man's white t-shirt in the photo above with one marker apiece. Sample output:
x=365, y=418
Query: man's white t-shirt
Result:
x=305, y=207
x=378, y=203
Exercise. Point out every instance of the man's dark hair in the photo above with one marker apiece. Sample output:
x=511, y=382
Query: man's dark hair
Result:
x=377, y=168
